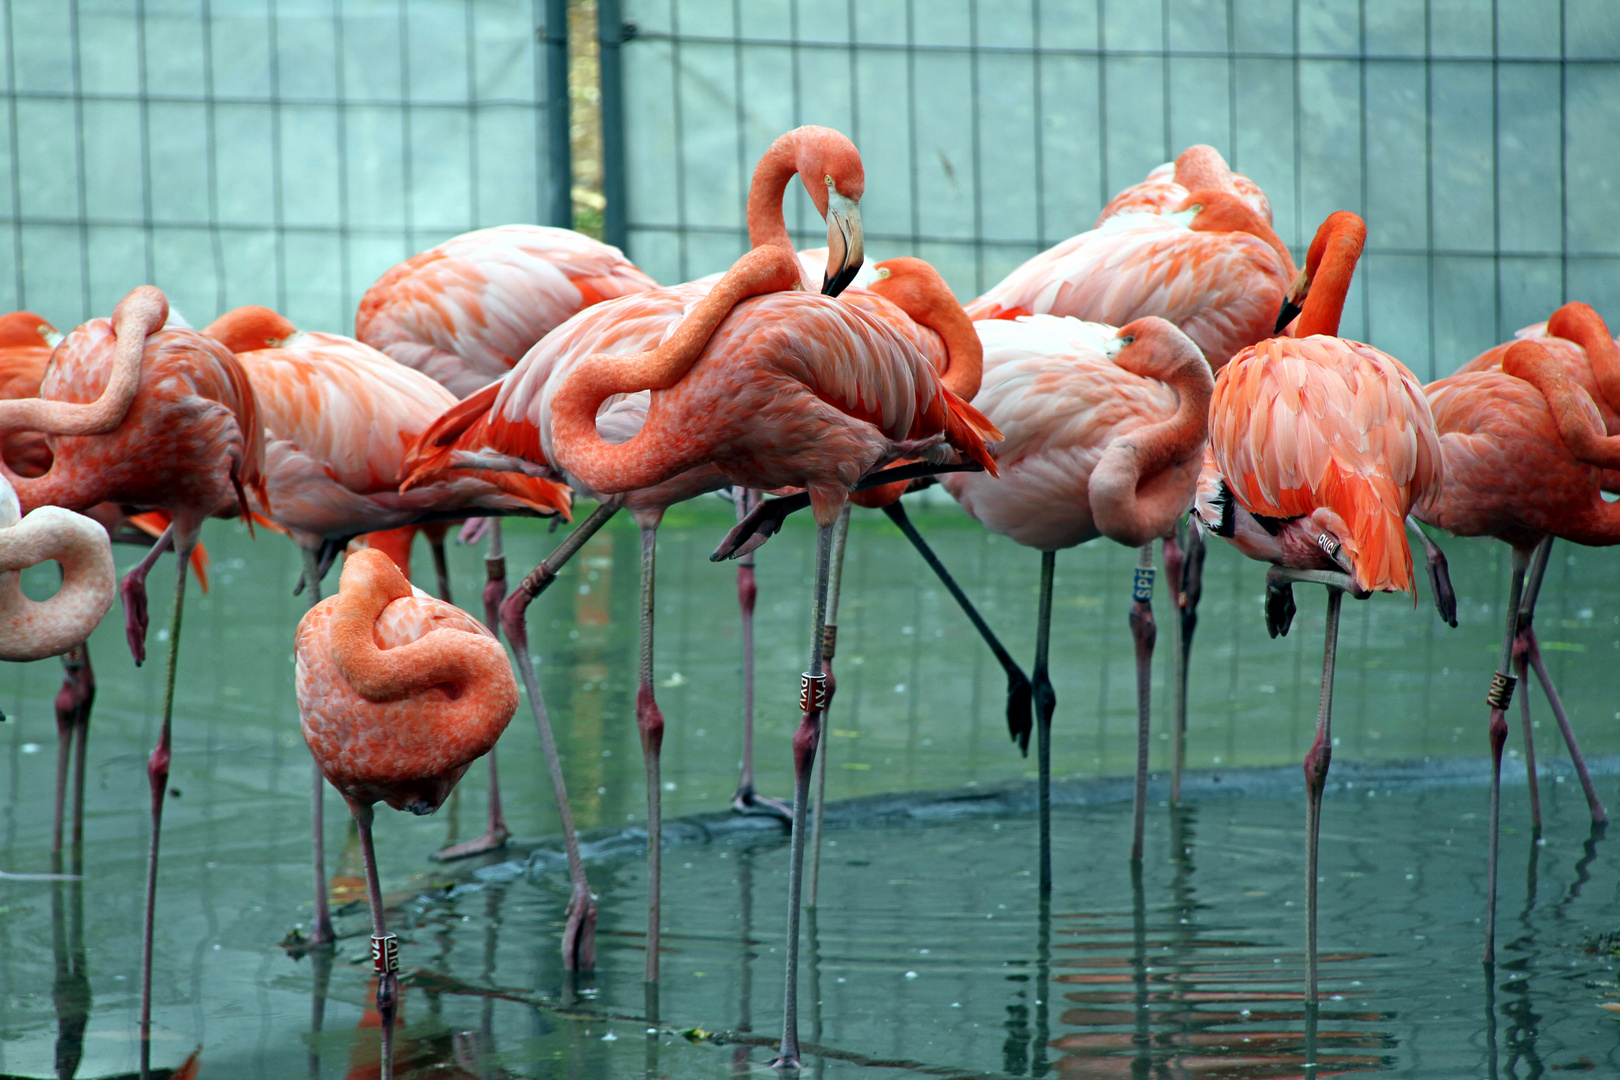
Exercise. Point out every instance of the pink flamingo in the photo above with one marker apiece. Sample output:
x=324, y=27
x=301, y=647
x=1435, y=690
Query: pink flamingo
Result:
x=1104, y=433
x=1197, y=168
x=464, y=313
x=399, y=694
x=776, y=388
x=338, y=416
x=146, y=417
x=505, y=425
x=1525, y=452
x=1318, y=448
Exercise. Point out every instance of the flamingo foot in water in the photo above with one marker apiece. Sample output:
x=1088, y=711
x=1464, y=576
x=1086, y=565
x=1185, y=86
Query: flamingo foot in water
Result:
x=492, y=840
x=751, y=803
x=579, y=938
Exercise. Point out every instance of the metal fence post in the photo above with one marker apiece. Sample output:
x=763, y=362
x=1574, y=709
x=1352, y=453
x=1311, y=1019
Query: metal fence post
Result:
x=610, y=36
x=559, y=158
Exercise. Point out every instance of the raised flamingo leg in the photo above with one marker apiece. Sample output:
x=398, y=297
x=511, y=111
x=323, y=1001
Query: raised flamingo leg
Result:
x=1145, y=633
x=747, y=800
x=1499, y=697
x=805, y=741
x=579, y=938
x=650, y=722
x=1019, y=693
x=157, y=774
x=829, y=646
x=1531, y=649
x=1188, y=584
x=1445, y=597
x=1045, y=704
x=497, y=834
x=384, y=946
x=321, y=933
x=133, y=591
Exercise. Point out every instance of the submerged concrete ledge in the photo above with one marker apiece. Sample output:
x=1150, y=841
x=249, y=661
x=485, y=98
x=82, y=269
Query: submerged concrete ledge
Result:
x=1007, y=799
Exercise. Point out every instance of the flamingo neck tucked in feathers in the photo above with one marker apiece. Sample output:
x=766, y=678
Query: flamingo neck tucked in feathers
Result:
x=1577, y=322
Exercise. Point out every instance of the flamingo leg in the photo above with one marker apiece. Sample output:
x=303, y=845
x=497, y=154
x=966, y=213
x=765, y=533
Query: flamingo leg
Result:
x=1145, y=633
x=384, y=947
x=1045, y=704
x=133, y=591
x=73, y=703
x=85, y=689
x=497, y=834
x=1445, y=597
x=1520, y=664
x=650, y=722
x=747, y=800
x=1531, y=649
x=321, y=933
x=805, y=741
x=829, y=645
x=1019, y=693
x=441, y=567
x=1317, y=759
x=579, y=938
x=1188, y=581
x=1501, y=694
x=157, y=774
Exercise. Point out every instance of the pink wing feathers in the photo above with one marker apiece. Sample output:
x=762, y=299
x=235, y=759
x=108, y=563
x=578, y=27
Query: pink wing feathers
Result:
x=465, y=312
x=1322, y=423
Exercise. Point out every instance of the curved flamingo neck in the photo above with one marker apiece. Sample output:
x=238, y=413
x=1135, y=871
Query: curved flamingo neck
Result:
x=1577, y=322
x=140, y=313
x=1571, y=409
x=766, y=224
x=1201, y=166
x=653, y=454
x=1330, y=265
x=32, y=630
x=250, y=328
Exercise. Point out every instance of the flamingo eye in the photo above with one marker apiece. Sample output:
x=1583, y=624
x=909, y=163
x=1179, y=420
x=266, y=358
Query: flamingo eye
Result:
x=883, y=272
x=1128, y=339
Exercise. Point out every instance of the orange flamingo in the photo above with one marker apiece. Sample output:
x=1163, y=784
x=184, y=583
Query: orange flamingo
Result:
x=1525, y=449
x=1105, y=432
x=399, y=694
x=1318, y=448
x=146, y=417
x=776, y=388
x=338, y=416
x=1214, y=268
x=464, y=313
x=1196, y=168
x=504, y=426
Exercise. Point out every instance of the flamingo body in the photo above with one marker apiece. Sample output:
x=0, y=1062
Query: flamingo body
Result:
x=399, y=692
x=1222, y=289
x=465, y=312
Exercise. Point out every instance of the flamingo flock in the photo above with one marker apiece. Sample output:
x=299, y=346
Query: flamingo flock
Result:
x=1167, y=375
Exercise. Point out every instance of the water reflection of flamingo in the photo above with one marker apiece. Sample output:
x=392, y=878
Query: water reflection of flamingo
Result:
x=1318, y=449
x=399, y=694
x=1524, y=448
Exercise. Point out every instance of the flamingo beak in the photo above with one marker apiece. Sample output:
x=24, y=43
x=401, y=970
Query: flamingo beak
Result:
x=1293, y=302
x=845, y=249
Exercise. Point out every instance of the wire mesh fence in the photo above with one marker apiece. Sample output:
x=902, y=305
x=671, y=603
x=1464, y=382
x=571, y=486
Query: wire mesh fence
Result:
x=1480, y=141
x=281, y=152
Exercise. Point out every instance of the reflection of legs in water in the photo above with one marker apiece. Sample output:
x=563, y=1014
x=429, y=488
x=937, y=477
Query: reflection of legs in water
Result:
x=1141, y=1038
x=1042, y=990
x=70, y=989
x=320, y=980
x=741, y=1065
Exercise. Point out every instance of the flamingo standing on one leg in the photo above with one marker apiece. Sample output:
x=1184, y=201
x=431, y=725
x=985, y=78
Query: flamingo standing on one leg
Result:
x=1318, y=449
x=147, y=417
x=399, y=694
x=1104, y=432
x=1525, y=450
x=338, y=416
x=775, y=388
x=464, y=313
x=506, y=425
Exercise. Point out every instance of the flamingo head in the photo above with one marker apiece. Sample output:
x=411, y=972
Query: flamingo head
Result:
x=24, y=328
x=831, y=170
x=246, y=329
x=1342, y=232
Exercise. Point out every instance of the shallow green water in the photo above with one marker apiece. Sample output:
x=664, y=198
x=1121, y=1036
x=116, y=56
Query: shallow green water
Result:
x=919, y=707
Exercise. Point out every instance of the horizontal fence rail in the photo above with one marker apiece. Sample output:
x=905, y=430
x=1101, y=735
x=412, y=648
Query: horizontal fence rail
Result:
x=1478, y=140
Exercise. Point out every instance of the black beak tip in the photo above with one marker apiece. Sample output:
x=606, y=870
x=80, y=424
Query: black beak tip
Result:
x=832, y=285
x=1290, y=312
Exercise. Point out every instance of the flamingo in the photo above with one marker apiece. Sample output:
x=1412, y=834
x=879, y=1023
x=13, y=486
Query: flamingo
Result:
x=1104, y=432
x=338, y=416
x=775, y=388
x=464, y=313
x=398, y=693
x=1168, y=186
x=1525, y=449
x=1318, y=448
x=31, y=630
x=505, y=425
x=150, y=417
